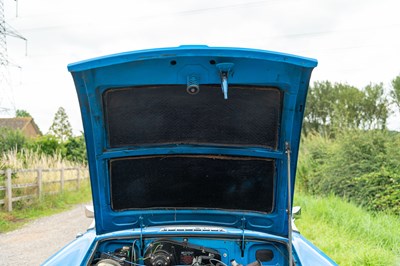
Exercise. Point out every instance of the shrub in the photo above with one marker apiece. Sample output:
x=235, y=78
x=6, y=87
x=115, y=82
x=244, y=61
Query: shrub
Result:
x=11, y=139
x=378, y=191
x=358, y=165
x=75, y=149
x=46, y=144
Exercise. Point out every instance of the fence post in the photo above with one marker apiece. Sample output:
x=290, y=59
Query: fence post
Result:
x=9, y=190
x=62, y=180
x=39, y=183
x=78, y=177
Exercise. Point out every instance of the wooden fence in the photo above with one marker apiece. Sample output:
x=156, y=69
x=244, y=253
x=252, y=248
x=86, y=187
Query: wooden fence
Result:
x=37, y=184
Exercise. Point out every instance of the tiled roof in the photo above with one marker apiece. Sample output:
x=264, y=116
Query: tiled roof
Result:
x=15, y=123
x=19, y=123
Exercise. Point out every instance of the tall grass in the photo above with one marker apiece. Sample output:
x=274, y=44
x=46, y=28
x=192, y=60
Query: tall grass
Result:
x=26, y=158
x=347, y=233
x=29, y=159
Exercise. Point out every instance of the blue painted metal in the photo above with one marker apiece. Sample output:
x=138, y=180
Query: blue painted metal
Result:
x=291, y=74
x=191, y=149
x=307, y=253
x=77, y=252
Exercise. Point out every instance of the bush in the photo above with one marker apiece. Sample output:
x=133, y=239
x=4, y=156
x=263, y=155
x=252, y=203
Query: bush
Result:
x=315, y=151
x=11, y=139
x=358, y=165
x=378, y=191
x=75, y=149
x=46, y=144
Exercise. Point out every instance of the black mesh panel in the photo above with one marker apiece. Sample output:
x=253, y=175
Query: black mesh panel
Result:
x=168, y=114
x=187, y=181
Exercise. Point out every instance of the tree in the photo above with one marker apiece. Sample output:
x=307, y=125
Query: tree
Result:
x=75, y=149
x=332, y=108
x=376, y=107
x=22, y=113
x=396, y=91
x=347, y=108
x=319, y=107
x=61, y=128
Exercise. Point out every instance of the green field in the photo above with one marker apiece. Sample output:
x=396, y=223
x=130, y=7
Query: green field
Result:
x=347, y=233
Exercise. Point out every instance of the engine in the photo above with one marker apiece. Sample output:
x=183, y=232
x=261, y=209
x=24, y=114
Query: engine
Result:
x=168, y=252
x=162, y=252
x=173, y=252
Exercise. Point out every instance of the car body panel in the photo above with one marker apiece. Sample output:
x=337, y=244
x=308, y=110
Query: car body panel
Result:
x=77, y=252
x=307, y=253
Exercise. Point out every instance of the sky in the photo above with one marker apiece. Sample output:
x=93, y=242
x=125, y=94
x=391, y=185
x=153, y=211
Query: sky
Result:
x=355, y=41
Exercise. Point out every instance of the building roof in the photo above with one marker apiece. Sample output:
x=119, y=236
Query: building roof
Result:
x=19, y=123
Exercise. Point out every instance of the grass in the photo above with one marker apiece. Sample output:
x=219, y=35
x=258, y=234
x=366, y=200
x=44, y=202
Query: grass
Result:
x=51, y=204
x=347, y=233
x=25, y=158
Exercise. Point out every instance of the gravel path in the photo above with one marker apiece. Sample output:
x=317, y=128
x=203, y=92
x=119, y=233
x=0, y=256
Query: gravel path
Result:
x=36, y=241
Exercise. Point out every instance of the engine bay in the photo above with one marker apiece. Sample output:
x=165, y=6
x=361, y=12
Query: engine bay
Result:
x=196, y=251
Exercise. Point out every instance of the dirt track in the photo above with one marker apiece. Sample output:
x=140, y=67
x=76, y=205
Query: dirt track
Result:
x=36, y=241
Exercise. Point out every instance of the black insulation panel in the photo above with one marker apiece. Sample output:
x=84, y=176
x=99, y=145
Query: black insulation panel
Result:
x=152, y=115
x=190, y=181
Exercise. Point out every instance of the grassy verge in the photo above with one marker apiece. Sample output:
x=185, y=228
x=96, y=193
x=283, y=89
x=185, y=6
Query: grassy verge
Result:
x=347, y=233
x=50, y=204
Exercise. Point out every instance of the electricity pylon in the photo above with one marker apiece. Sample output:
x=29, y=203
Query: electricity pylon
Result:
x=7, y=104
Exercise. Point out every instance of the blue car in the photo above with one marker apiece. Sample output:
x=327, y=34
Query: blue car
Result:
x=192, y=157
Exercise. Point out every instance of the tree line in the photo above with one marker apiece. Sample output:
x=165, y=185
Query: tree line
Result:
x=334, y=107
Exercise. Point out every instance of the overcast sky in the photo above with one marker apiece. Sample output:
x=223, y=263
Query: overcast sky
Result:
x=357, y=42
